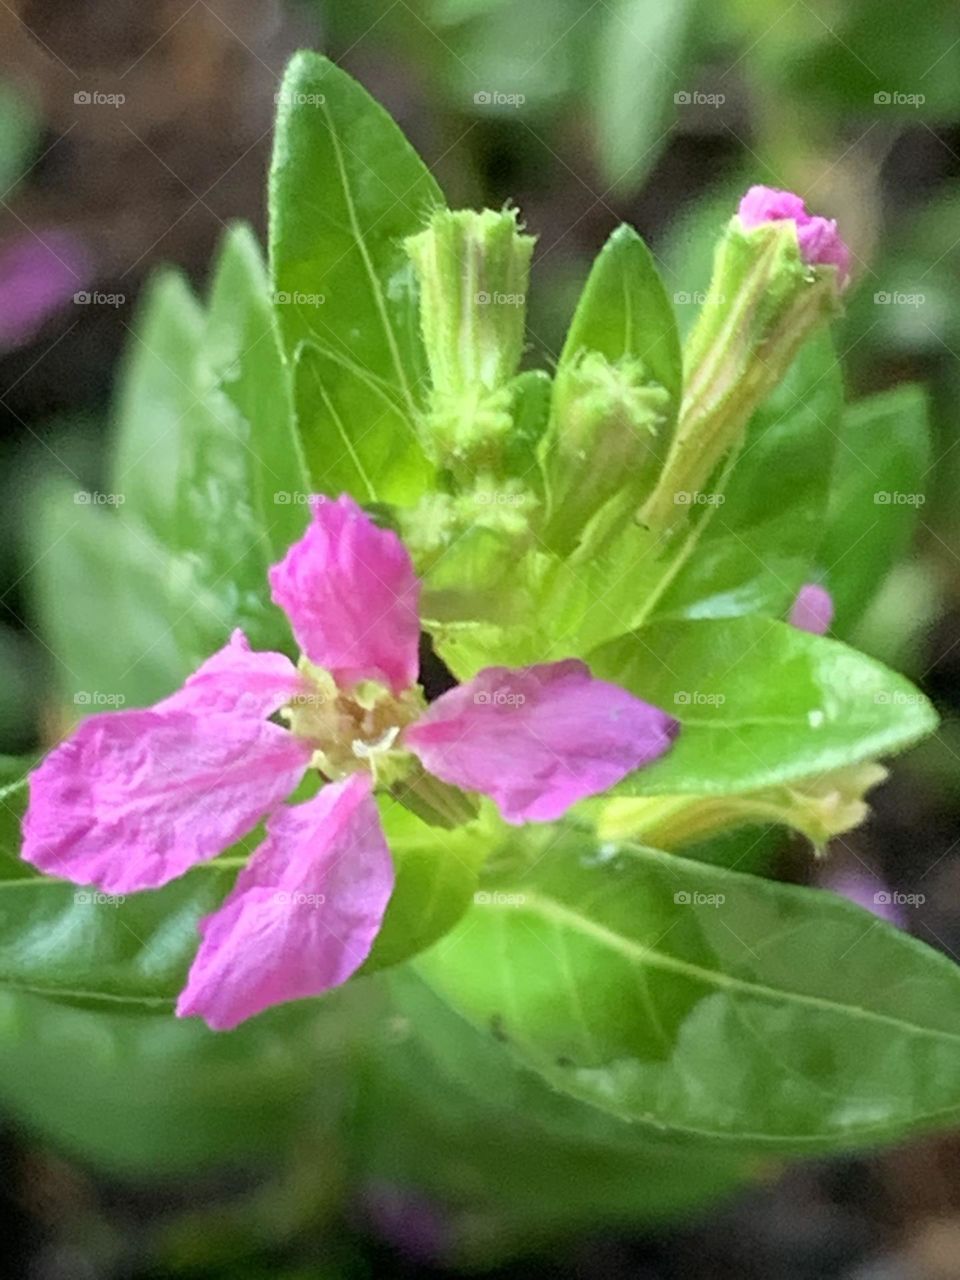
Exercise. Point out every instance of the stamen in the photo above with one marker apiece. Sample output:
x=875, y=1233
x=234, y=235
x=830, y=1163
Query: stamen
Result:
x=365, y=750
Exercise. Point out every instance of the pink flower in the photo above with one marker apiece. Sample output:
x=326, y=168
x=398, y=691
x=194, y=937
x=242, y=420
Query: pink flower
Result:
x=39, y=274
x=820, y=242
x=134, y=799
x=812, y=610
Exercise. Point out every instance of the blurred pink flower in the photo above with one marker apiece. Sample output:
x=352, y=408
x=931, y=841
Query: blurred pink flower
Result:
x=38, y=276
x=812, y=610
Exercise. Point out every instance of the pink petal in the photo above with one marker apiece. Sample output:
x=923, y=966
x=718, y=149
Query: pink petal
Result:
x=769, y=204
x=303, y=914
x=819, y=240
x=135, y=798
x=812, y=610
x=236, y=680
x=351, y=595
x=538, y=739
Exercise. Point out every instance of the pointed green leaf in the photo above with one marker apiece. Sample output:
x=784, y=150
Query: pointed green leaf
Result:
x=108, y=597
x=358, y=438
x=759, y=703
x=624, y=311
x=242, y=353
x=346, y=189
x=157, y=391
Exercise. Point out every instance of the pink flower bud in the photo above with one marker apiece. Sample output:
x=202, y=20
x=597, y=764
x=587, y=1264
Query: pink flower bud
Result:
x=820, y=242
x=812, y=610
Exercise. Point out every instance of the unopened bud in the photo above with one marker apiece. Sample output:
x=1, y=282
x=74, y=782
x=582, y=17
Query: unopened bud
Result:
x=473, y=270
x=820, y=808
x=778, y=275
x=602, y=440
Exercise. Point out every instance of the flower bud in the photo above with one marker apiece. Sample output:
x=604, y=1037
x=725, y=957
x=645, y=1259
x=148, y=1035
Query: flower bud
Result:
x=778, y=275
x=473, y=270
x=820, y=808
x=602, y=440
x=812, y=610
x=818, y=238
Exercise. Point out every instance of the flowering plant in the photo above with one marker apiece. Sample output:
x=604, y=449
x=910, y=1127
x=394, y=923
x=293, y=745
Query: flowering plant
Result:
x=564, y=674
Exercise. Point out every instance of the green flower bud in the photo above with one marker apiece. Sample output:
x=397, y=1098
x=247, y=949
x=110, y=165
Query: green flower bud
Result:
x=602, y=441
x=764, y=301
x=473, y=270
x=819, y=808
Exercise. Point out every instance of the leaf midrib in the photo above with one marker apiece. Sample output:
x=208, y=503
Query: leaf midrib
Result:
x=557, y=913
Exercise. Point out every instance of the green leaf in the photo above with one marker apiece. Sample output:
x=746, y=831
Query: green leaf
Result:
x=207, y=466
x=759, y=703
x=639, y=55
x=346, y=189
x=359, y=438
x=624, y=311
x=877, y=490
x=242, y=353
x=752, y=551
x=160, y=1096
x=437, y=871
x=238, y=455
x=445, y=1109
x=79, y=945
x=107, y=596
x=157, y=392
x=698, y=1001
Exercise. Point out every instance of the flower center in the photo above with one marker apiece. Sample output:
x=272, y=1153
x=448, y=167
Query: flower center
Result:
x=351, y=729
